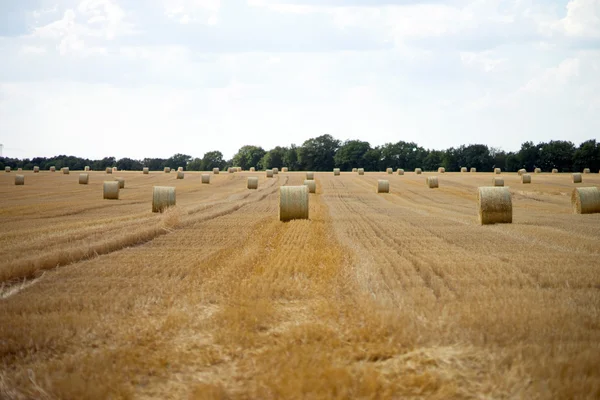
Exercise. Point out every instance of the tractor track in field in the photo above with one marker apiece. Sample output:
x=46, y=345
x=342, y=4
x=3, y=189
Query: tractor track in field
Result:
x=123, y=241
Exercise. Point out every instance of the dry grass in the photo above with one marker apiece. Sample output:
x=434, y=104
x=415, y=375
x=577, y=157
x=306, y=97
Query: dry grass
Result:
x=396, y=296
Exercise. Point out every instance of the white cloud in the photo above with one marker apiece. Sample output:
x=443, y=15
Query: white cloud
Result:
x=188, y=11
x=440, y=74
x=582, y=19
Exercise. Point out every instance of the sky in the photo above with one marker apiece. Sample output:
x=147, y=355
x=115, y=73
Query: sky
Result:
x=133, y=78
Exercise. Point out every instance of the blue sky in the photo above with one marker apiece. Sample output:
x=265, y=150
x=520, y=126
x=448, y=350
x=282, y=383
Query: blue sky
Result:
x=152, y=78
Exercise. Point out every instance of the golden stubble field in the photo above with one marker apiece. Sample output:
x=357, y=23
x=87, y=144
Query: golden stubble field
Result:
x=399, y=295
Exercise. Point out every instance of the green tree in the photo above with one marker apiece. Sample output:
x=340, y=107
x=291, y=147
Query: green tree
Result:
x=274, y=158
x=529, y=156
x=128, y=164
x=433, y=160
x=154, y=164
x=556, y=154
x=290, y=158
x=248, y=156
x=212, y=159
x=317, y=154
x=587, y=156
x=351, y=155
x=476, y=156
x=178, y=160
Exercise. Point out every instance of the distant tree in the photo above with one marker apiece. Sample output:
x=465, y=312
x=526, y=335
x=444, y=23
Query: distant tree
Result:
x=128, y=164
x=513, y=162
x=290, y=158
x=587, y=156
x=351, y=154
x=155, y=164
x=212, y=159
x=248, y=156
x=371, y=159
x=317, y=154
x=433, y=160
x=476, y=156
x=556, y=154
x=529, y=156
x=498, y=158
x=178, y=160
x=274, y=158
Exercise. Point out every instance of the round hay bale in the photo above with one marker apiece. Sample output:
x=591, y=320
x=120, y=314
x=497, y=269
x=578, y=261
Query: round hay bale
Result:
x=111, y=190
x=109, y=170
x=418, y=171
x=585, y=200
x=498, y=181
x=19, y=169
x=86, y=168
x=206, y=178
x=146, y=170
x=284, y=169
x=293, y=202
x=354, y=169
x=336, y=172
x=577, y=178
x=537, y=170
x=586, y=170
x=432, y=182
x=554, y=171
x=19, y=180
x=83, y=179
x=115, y=169
x=383, y=186
x=463, y=169
x=400, y=171
x=252, y=169
x=311, y=185
x=275, y=171
x=473, y=170
x=163, y=197
x=65, y=170
x=230, y=170
x=526, y=178
x=167, y=170
x=239, y=169
x=36, y=170
x=441, y=170
x=269, y=173
x=121, y=182
x=216, y=171
x=390, y=171
x=361, y=171
x=522, y=171
x=52, y=169
x=6, y=169
x=310, y=176
x=180, y=174
x=497, y=171
x=179, y=169
x=252, y=182
x=494, y=205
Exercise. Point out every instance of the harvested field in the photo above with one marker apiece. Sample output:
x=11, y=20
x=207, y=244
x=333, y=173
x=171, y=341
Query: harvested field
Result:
x=375, y=296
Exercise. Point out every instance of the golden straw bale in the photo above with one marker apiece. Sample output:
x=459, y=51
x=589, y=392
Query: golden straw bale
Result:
x=252, y=182
x=585, y=200
x=163, y=197
x=311, y=185
x=383, y=186
x=111, y=190
x=293, y=202
x=494, y=205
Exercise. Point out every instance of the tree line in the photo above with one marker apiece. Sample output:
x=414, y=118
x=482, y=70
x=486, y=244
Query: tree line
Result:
x=323, y=153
